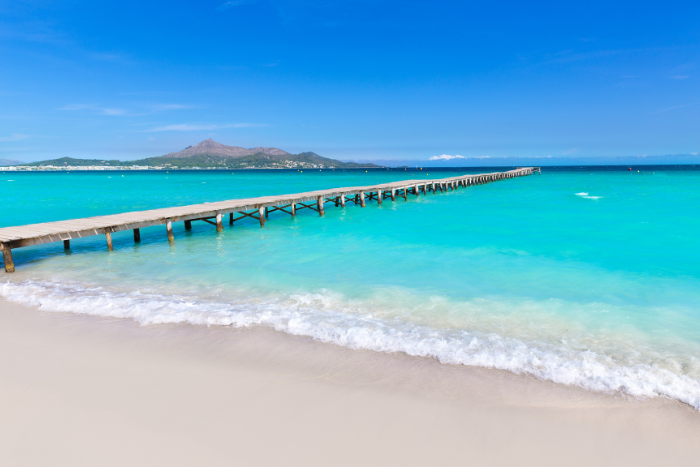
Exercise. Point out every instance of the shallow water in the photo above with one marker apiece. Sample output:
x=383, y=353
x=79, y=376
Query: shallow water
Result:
x=585, y=276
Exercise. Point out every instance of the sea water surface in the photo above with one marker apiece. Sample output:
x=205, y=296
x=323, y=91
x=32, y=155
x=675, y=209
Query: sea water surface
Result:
x=586, y=276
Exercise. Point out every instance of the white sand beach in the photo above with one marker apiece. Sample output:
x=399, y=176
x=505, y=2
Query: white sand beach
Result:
x=84, y=391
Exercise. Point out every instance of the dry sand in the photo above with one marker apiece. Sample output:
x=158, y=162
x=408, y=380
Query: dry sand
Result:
x=81, y=390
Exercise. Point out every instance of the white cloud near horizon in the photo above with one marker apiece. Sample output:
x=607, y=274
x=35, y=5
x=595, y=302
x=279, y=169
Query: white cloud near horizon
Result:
x=14, y=137
x=113, y=111
x=446, y=157
x=103, y=110
x=77, y=107
x=161, y=107
x=191, y=127
x=145, y=109
x=233, y=3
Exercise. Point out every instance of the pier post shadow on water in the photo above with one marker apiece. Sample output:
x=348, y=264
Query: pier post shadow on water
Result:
x=213, y=213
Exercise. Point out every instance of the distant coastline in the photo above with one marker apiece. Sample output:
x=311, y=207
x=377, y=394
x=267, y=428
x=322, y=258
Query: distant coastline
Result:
x=52, y=168
x=206, y=155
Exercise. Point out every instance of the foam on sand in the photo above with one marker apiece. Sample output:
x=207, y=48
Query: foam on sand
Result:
x=329, y=318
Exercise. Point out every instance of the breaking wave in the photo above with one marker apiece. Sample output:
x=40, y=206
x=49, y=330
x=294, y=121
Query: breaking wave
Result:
x=331, y=318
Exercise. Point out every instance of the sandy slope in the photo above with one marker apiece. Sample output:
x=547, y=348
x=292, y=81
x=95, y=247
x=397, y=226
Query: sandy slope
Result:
x=80, y=390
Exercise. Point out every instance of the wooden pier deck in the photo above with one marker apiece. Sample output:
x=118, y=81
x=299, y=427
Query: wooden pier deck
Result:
x=236, y=209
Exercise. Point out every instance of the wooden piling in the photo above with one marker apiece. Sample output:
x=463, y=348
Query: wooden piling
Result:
x=294, y=209
x=169, y=230
x=66, y=245
x=108, y=236
x=137, y=235
x=230, y=219
x=219, y=225
x=21, y=236
x=267, y=216
x=7, y=258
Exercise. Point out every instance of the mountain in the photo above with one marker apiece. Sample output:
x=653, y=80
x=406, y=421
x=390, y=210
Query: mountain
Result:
x=209, y=147
x=210, y=154
x=6, y=162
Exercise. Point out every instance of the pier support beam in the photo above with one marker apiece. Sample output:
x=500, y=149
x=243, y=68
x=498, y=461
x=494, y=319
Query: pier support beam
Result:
x=230, y=219
x=294, y=209
x=7, y=258
x=48, y=232
x=108, y=236
x=169, y=229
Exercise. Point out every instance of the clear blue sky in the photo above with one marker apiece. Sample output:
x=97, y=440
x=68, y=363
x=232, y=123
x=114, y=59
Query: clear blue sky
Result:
x=350, y=80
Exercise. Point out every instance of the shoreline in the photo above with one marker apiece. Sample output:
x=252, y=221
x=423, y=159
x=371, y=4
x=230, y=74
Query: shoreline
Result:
x=86, y=390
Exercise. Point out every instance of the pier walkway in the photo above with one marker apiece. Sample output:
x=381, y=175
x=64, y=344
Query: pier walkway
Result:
x=236, y=209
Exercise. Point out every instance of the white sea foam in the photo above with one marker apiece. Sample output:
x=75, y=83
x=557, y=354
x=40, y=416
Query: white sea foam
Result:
x=326, y=318
x=587, y=196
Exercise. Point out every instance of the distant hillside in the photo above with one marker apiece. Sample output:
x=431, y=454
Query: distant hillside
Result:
x=256, y=160
x=73, y=162
x=6, y=162
x=211, y=148
x=210, y=154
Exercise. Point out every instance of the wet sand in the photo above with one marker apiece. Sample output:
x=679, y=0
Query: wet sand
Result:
x=84, y=390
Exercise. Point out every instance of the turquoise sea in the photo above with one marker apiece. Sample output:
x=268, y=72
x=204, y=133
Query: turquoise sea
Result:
x=587, y=276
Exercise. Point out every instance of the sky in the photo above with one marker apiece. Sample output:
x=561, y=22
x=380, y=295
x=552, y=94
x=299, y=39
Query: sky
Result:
x=456, y=82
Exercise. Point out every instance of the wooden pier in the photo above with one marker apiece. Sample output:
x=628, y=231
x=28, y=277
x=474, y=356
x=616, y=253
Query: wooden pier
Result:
x=236, y=209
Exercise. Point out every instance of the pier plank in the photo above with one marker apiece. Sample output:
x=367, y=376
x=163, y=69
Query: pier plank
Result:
x=46, y=232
